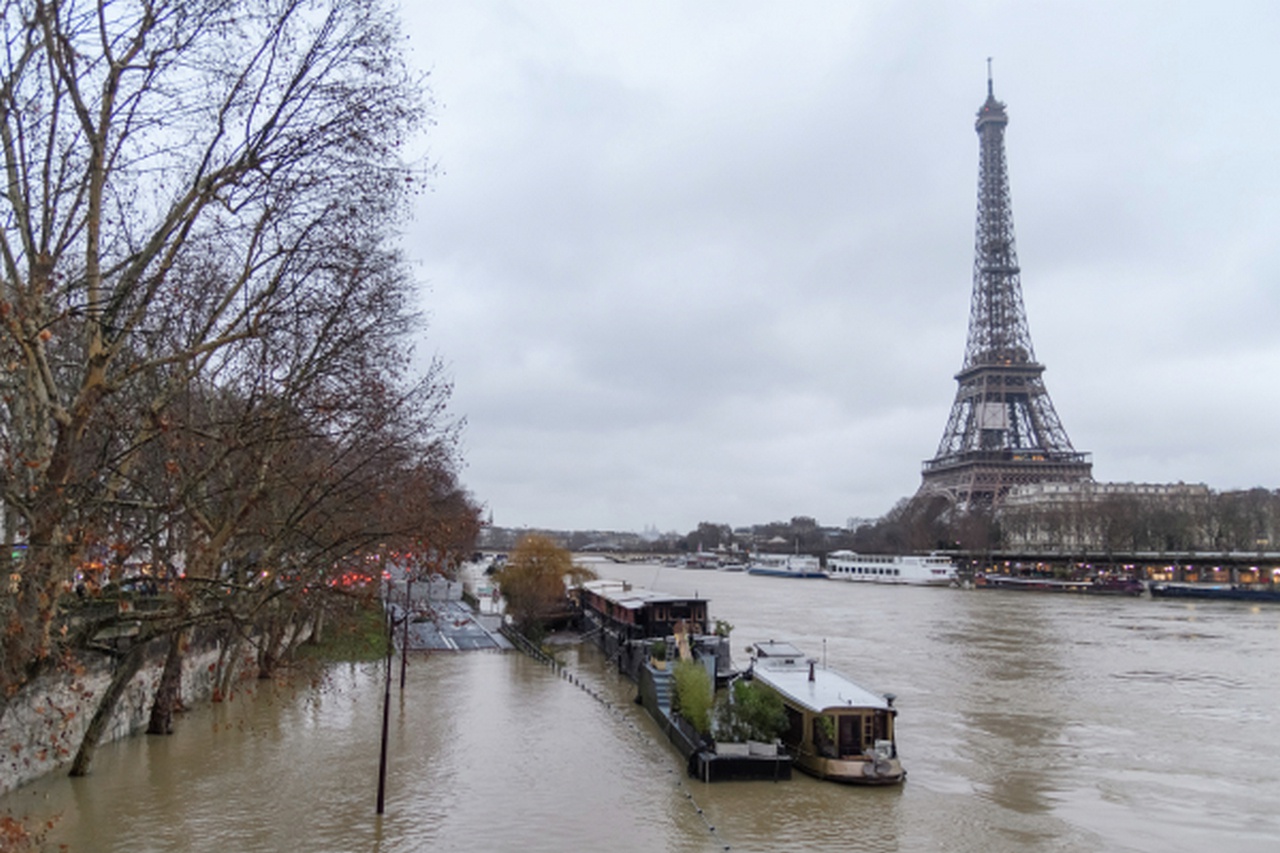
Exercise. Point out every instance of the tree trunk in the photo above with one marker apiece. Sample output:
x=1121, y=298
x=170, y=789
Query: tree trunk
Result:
x=266, y=663
x=169, y=690
x=226, y=669
x=120, y=679
x=267, y=649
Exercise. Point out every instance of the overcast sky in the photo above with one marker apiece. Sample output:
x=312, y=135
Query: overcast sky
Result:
x=693, y=261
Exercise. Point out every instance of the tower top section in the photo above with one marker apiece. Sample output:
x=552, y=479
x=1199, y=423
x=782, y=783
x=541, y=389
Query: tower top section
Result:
x=998, y=333
x=992, y=111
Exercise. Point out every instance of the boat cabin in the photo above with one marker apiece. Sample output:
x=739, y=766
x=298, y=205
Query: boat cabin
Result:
x=634, y=613
x=839, y=730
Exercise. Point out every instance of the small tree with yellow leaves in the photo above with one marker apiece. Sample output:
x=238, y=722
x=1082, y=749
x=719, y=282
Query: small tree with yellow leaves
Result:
x=533, y=582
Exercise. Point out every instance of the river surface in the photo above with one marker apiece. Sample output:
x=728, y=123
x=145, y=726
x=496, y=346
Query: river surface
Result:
x=1028, y=722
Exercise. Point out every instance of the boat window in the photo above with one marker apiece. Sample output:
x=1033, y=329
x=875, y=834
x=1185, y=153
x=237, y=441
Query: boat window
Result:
x=850, y=742
x=824, y=735
x=795, y=726
x=883, y=727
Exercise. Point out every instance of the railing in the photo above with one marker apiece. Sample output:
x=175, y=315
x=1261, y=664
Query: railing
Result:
x=1029, y=456
x=524, y=644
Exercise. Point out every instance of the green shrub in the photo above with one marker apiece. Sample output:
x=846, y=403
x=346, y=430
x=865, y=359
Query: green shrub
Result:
x=694, y=694
x=752, y=713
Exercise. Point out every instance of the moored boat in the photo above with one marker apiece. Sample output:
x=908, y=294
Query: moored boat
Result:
x=838, y=730
x=1094, y=586
x=913, y=569
x=1214, y=592
x=786, y=566
x=702, y=560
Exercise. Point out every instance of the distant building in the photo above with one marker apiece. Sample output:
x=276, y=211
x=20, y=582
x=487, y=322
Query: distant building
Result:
x=1042, y=494
x=1098, y=516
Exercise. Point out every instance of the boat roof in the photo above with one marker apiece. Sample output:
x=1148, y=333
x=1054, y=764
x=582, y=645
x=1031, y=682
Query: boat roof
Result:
x=846, y=554
x=784, y=667
x=632, y=597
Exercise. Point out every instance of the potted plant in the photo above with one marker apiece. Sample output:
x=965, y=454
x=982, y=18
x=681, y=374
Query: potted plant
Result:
x=658, y=654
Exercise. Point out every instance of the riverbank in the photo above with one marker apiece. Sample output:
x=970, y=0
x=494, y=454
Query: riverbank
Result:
x=43, y=726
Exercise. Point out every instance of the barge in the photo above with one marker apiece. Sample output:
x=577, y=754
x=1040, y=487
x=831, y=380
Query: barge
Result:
x=1215, y=592
x=639, y=630
x=1094, y=586
x=838, y=730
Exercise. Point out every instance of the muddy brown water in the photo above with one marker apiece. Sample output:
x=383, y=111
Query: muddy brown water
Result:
x=1027, y=722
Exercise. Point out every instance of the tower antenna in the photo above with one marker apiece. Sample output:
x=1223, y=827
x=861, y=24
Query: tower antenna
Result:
x=990, y=92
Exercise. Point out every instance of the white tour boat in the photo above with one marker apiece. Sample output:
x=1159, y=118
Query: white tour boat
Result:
x=930, y=570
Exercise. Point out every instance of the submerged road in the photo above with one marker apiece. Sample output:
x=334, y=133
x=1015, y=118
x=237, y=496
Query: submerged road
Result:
x=451, y=626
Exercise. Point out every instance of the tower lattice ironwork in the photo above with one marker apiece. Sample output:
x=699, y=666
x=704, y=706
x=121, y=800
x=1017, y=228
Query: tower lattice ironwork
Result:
x=1003, y=430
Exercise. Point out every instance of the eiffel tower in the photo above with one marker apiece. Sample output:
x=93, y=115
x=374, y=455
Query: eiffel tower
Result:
x=1003, y=430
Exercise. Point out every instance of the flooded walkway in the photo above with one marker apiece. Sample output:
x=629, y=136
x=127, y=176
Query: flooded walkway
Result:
x=452, y=626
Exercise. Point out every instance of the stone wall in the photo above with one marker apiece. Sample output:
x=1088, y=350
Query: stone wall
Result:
x=43, y=726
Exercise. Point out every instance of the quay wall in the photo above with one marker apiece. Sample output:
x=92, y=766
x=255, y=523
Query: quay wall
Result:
x=43, y=726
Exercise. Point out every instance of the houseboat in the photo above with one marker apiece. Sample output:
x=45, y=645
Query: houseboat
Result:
x=625, y=621
x=1215, y=592
x=786, y=566
x=916, y=570
x=641, y=631
x=1091, y=586
x=633, y=613
x=838, y=730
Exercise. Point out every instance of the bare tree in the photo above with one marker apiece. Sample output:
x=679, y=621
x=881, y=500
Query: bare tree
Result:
x=182, y=177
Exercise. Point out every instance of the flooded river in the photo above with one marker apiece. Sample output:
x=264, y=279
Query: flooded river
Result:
x=1027, y=722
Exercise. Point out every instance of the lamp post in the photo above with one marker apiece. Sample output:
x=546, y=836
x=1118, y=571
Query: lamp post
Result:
x=386, y=715
x=404, y=637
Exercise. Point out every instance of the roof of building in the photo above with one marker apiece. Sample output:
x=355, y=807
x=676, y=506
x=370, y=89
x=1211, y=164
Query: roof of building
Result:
x=784, y=667
x=632, y=597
